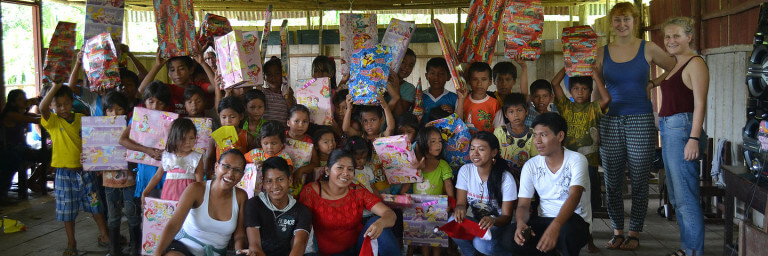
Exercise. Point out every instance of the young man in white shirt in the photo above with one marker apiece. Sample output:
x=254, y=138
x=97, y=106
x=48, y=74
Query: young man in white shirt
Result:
x=561, y=179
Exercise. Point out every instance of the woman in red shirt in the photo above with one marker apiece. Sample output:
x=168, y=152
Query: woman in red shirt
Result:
x=337, y=211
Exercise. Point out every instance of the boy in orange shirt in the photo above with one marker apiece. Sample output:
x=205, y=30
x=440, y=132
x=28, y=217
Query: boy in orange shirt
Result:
x=479, y=109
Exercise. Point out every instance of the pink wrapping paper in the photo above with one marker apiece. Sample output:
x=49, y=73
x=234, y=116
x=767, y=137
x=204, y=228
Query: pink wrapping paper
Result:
x=149, y=128
x=398, y=37
x=299, y=151
x=101, y=148
x=156, y=214
x=522, y=26
x=315, y=94
x=239, y=59
x=356, y=31
x=204, y=129
x=449, y=53
x=284, y=55
x=481, y=31
x=579, y=50
x=251, y=181
x=175, y=22
x=265, y=34
x=100, y=63
x=396, y=155
x=58, y=59
x=422, y=217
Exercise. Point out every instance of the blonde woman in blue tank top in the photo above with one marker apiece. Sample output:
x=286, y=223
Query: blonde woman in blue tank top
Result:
x=627, y=132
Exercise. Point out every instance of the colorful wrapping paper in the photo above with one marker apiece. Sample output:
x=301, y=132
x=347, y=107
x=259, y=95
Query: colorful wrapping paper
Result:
x=157, y=212
x=449, y=53
x=397, y=201
x=456, y=136
x=225, y=137
x=58, y=60
x=251, y=181
x=149, y=128
x=398, y=37
x=100, y=62
x=315, y=94
x=299, y=151
x=101, y=147
x=523, y=24
x=238, y=58
x=579, y=50
x=104, y=16
x=481, y=31
x=423, y=217
x=418, y=104
x=265, y=34
x=370, y=71
x=175, y=23
x=284, y=55
x=213, y=25
x=204, y=127
x=396, y=155
x=356, y=31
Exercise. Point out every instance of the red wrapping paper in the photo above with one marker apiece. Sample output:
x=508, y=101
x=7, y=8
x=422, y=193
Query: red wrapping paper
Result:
x=58, y=60
x=100, y=62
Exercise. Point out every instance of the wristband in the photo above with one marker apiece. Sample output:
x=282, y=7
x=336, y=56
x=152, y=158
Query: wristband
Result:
x=693, y=138
x=651, y=81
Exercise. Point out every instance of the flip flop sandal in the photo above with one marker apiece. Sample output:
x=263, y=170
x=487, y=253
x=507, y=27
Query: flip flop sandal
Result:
x=628, y=240
x=678, y=253
x=101, y=243
x=70, y=252
x=615, y=242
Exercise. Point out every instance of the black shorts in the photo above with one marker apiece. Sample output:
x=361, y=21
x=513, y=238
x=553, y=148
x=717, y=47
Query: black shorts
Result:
x=178, y=246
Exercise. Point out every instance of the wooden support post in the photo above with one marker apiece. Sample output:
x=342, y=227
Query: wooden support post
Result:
x=584, y=14
x=570, y=15
x=309, y=20
x=431, y=16
x=320, y=33
x=37, y=30
x=458, y=25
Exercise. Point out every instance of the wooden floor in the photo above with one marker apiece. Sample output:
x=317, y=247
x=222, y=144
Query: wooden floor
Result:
x=45, y=235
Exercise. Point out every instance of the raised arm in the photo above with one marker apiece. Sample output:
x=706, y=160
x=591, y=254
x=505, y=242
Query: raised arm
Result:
x=159, y=62
x=45, y=105
x=462, y=95
x=141, y=70
x=198, y=57
x=346, y=125
x=559, y=94
x=523, y=75
x=75, y=73
x=389, y=117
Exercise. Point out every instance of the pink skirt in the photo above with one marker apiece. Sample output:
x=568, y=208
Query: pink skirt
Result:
x=172, y=189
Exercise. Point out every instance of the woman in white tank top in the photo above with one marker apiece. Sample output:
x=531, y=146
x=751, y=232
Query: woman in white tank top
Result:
x=209, y=213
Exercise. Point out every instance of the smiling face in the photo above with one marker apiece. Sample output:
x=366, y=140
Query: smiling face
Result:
x=371, y=123
x=195, y=106
x=179, y=73
x=230, y=117
x=229, y=170
x=480, y=153
x=326, y=144
x=275, y=183
x=210, y=59
x=546, y=141
x=676, y=40
x=406, y=67
x=255, y=108
x=341, y=173
x=437, y=77
x=504, y=83
x=541, y=99
x=581, y=93
x=298, y=123
x=272, y=145
x=516, y=115
x=623, y=24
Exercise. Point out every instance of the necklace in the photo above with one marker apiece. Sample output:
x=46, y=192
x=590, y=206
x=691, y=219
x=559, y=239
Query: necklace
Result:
x=277, y=222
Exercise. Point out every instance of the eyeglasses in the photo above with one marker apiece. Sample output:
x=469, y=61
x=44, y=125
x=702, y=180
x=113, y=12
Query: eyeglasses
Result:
x=229, y=168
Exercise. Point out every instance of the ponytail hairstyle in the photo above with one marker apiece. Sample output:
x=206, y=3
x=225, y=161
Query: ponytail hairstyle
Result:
x=356, y=145
x=497, y=169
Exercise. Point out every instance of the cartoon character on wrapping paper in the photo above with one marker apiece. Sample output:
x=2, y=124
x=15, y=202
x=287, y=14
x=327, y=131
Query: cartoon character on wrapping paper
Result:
x=149, y=245
x=359, y=40
x=144, y=125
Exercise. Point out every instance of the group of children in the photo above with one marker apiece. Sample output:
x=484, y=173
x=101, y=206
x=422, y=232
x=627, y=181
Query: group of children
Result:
x=264, y=118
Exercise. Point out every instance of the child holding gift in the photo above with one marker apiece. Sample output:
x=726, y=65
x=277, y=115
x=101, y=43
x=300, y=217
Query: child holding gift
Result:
x=156, y=97
x=340, y=109
x=231, y=112
x=277, y=105
x=370, y=120
x=74, y=188
x=407, y=124
x=479, y=109
x=436, y=95
x=181, y=72
x=255, y=103
x=119, y=187
x=180, y=161
x=323, y=66
x=298, y=123
x=401, y=93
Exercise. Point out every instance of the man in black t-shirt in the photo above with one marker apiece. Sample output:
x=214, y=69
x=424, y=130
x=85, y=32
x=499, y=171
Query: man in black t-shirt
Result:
x=284, y=222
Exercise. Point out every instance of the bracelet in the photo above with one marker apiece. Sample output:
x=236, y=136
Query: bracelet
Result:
x=693, y=138
x=651, y=81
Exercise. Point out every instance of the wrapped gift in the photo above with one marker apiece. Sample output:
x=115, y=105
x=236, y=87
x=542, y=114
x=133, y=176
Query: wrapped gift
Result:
x=356, y=31
x=449, y=53
x=175, y=23
x=213, y=26
x=251, y=181
x=265, y=34
x=204, y=127
x=101, y=143
x=149, y=128
x=579, y=50
x=421, y=219
x=481, y=31
x=398, y=37
x=104, y=17
x=156, y=214
x=396, y=155
x=299, y=151
x=418, y=102
x=239, y=59
x=284, y=61
x=315, y=94
x=100, y=63
x=397, y=201
x=58, y=60
x=523, y=24
x=370, y=71
x=456, y=136
x=225, y=137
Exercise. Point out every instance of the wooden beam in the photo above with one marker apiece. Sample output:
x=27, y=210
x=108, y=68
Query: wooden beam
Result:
x=744, y=6
x=301, y=5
